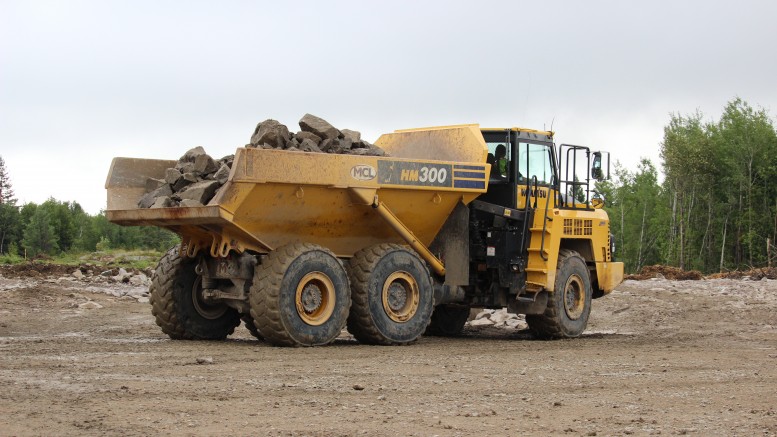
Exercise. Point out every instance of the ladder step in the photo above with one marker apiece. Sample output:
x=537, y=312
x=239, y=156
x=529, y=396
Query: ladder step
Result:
x=537, y=249
x=536, y=270
x=546, y=230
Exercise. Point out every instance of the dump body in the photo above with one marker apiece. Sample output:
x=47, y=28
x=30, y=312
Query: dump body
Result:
x=277, y=197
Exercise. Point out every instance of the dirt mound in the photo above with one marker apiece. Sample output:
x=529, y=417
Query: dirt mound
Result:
x=82, y=271
x=666, y=272
x=31, y=269
x=754, y=274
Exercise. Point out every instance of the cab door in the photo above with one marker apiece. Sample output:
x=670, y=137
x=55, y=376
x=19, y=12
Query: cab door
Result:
x=535, y=173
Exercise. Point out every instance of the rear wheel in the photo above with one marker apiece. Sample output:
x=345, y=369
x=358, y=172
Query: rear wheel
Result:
x=300, y=296
x=448, y=320
x=569, y=305
x=392, y=295
x=178, y=304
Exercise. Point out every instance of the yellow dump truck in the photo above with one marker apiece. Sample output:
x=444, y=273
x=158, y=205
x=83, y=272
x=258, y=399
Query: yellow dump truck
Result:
x=300, y=245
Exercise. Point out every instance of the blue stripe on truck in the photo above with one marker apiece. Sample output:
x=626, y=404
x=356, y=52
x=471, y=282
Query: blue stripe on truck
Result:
x=469, y=167
x=463, y=183
x=469, y=174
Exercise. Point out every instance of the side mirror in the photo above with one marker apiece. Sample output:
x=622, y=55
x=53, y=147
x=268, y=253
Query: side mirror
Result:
x=596, y=167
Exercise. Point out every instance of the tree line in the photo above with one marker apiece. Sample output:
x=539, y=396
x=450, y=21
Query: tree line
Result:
x=716, y=208
x=54, y=227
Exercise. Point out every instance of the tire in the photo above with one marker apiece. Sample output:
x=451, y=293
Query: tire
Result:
x=177, y=305
x=569, y=306
x=447, y=320
x=251, y=326
x=300, y=296
x=391, y=290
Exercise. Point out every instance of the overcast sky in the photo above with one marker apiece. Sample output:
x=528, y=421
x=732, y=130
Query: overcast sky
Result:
x=84, y=81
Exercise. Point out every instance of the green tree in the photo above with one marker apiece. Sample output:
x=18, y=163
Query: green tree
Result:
x=9, y=226
x=9, y=213
x=746, y=137
x=39, y=234
x=719, y=189
x=6, y=190
x=61, y=217
x=633, y=204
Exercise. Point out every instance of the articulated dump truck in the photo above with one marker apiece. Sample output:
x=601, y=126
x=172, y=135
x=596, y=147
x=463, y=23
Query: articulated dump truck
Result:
x=300, y=245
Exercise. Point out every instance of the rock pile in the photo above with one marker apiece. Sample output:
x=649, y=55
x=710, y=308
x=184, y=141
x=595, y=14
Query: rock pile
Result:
x=197, y=177
x=193, y=181
x=118, y=282
x=316, y=135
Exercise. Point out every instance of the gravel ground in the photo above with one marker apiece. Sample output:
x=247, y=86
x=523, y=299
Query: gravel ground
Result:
x=659, y=357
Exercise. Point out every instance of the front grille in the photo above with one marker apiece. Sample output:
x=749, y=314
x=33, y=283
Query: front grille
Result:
x=578, y=227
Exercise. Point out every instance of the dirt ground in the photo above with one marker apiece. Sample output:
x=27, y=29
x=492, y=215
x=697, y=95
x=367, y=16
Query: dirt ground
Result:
x=659, y=357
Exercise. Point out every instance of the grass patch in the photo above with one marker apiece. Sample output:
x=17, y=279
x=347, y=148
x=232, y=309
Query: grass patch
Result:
x=10, y=259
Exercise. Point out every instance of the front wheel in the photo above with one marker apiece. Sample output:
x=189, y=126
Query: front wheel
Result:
x=569, y=306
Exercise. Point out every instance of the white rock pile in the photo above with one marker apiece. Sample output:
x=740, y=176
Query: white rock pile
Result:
x=499, y=319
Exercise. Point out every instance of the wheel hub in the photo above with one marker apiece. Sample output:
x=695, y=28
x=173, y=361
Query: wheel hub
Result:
x=574, y=297
x=204, y=305
x=400, y=296
x=315, y=298
x=311, y=298
x=397, y=297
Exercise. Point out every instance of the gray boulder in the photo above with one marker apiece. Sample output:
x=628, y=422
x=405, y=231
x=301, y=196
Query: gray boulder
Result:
x=318, y=126
x=309, y=146
x=184, y=167
x=302, y=136
x=352, y=135
x=192, y=154
x=222, y=174
x=201, y=191
x=172, y=175
x=205, y=165
x=189, y=202
x=162, y=202
x=270, y=132
x=152, y=184
x=148, y=199
x=190, y=176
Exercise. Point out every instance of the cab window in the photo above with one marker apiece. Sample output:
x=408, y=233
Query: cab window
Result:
x=535, y=160
x=499, y=158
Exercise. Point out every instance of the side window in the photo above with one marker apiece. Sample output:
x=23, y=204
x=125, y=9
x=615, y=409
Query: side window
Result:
x=535, y=160
x=499, y=158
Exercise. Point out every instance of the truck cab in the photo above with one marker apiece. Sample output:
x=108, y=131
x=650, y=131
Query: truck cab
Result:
x=538, y=245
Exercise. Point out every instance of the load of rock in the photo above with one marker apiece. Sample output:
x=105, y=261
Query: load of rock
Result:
x=316, y=135
x=197, y=177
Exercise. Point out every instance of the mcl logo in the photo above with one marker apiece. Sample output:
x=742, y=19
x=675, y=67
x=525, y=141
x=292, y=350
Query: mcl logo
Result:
x=363, y=172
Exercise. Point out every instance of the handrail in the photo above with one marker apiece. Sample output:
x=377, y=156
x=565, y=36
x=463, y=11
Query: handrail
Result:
x=526, y=204
x=544, y=227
